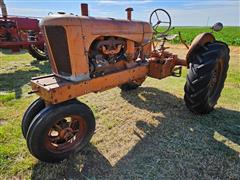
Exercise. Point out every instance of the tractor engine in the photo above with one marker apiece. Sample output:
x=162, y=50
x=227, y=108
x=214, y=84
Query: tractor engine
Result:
x=106, y=55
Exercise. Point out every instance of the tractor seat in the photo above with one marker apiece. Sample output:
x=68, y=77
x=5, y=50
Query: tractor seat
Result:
x=168, y=37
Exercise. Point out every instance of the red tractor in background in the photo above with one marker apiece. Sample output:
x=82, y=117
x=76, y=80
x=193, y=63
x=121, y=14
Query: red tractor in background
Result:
x=21, y=33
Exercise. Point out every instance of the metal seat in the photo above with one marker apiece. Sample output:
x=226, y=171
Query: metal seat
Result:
x=168, y=37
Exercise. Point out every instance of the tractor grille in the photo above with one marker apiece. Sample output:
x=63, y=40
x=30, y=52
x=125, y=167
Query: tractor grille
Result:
x=58, y=42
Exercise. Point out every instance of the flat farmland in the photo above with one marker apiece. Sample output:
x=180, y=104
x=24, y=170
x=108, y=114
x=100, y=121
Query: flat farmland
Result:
x=229, y=35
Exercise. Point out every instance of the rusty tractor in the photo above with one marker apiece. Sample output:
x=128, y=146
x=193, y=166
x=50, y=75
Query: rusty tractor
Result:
x=89, y=54
x=21, y=33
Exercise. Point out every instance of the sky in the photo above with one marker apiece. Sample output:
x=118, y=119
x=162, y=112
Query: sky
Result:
x=183, y=12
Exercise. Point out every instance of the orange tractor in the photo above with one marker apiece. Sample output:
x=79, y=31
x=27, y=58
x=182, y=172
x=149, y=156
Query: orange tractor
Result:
x=89, y=54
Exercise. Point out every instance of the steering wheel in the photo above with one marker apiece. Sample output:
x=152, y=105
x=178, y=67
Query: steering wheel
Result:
x=158, y=17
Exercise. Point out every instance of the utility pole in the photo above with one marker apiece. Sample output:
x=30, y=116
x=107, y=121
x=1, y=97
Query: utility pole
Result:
x=208, y=21
x=3, y=9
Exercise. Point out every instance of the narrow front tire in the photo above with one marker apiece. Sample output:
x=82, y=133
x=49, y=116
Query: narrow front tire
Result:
x=59, y=130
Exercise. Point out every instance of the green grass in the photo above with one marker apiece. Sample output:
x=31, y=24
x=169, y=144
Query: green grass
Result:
x=229, y=35
x=146, y=133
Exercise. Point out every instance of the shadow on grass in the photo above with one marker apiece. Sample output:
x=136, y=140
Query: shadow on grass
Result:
x=182, y=146
x=13, y=82
x=10, y=52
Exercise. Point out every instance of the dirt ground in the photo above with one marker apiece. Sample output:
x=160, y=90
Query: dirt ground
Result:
x=181, y=50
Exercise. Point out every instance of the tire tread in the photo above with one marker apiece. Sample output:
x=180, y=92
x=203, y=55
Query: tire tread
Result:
x=199, y=75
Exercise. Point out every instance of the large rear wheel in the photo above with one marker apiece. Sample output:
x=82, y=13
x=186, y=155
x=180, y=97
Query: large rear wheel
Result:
x=206, y=76
x=59, y=130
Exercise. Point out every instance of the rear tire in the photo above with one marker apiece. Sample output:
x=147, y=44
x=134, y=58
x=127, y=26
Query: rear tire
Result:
x=59, y=130
x=206, y=76
x=132, y=85
x=39, y=54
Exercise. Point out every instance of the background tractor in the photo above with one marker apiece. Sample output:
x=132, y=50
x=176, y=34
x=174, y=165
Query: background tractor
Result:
x=89, y=54
x=21, y=33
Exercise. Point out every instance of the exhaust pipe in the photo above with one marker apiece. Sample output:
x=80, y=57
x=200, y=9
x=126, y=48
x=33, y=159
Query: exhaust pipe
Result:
x=129, y=13
x=84, y=9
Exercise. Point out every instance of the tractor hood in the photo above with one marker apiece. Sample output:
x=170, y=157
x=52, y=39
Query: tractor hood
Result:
x=137, y=31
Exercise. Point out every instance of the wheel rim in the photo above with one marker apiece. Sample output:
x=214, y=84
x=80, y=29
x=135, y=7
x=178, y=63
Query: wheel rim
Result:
x=65, y=134
x=215, y=80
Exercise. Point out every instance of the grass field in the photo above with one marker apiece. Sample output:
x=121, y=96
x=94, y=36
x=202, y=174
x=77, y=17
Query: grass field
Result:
x=230, y=35
x=147, y=133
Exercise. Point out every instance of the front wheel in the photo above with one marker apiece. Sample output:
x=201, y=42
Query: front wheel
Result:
x=30, y=113
x=59, y=130
x=206, y=76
